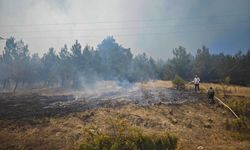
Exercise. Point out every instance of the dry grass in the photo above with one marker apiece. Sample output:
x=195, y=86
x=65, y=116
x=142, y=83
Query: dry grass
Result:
x=156, y=84
x=230, y=90
x=194, y=124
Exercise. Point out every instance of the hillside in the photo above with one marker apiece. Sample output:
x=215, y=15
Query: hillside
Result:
x=155, y=107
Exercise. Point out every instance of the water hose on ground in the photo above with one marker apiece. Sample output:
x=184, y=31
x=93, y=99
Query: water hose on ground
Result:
x=225, y=106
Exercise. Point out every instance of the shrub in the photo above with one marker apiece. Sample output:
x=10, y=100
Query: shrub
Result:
x=241, y=107
x=121, y=136
x=242, y=125
x=227, y=80
x=225, y=84
x=178, y=82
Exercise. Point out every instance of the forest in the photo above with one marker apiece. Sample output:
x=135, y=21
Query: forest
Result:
x=79, y=65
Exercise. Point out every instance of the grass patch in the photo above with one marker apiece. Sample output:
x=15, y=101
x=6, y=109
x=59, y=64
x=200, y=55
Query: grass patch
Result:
x=179, y=82
x=240, y=126
x=227, y=89
x=119, y=135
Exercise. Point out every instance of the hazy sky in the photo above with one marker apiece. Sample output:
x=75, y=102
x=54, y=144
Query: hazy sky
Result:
x=151, y=26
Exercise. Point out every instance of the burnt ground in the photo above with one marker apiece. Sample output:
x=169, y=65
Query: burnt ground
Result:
x=57, y=121
x=34, y=106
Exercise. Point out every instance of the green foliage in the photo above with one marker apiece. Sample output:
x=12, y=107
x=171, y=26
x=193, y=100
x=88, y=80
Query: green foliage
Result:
x=181, y=63
x=242, y=125
x=111, y=61
x=121, y=136
x=241, y=107
x=227, y=80
x=178, y=82
x=202, y=64
x=224, y=84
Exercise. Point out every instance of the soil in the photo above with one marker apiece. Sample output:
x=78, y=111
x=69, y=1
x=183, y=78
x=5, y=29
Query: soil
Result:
x=47, y=121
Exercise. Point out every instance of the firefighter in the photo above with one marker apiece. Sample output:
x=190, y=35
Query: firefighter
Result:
x=210, y=94
x=196, y=83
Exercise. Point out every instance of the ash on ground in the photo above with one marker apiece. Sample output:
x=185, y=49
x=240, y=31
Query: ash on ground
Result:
x=37, y=105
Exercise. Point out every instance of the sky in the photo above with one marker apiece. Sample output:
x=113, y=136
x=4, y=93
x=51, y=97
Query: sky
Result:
x=155, y=27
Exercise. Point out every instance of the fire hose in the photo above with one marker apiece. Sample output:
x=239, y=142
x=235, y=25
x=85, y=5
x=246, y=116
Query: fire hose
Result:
x=225, y=105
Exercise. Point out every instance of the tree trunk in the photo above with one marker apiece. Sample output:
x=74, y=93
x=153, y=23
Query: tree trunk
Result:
x=63, y=82
x=15, y=87
x=4, y=84
x=8, y=83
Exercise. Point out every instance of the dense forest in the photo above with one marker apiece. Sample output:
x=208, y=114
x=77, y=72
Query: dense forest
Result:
x=75, y=66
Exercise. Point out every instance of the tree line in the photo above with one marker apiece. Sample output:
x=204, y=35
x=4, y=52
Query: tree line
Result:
x=76, y=66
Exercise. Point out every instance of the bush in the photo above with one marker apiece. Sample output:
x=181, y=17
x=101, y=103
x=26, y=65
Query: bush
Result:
x=242, y=125
x=178, y=82
x=225, y=84
x=121, y=136
x=241, y=107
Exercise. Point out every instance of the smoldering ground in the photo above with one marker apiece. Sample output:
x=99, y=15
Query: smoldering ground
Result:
x=102, y=94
